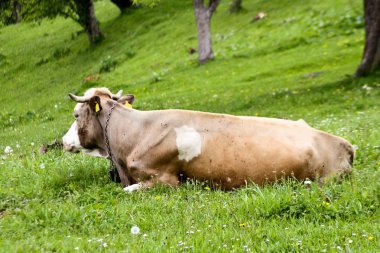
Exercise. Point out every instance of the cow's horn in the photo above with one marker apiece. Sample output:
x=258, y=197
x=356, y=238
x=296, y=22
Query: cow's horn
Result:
x=79, y=99
x=117, y=95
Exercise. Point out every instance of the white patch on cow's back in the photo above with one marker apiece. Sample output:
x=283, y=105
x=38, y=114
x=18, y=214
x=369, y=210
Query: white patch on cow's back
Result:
x=189, y=143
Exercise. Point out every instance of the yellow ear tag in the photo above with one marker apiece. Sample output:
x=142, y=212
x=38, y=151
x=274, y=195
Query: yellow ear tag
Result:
x=97, y=108
x=128, y=105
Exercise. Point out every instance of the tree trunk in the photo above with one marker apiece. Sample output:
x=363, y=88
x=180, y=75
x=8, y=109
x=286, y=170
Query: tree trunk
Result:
x=371, y=54
x=235, y=6
x=16, y=12
x=123, y=4
x=88, y=20
x=203, y=19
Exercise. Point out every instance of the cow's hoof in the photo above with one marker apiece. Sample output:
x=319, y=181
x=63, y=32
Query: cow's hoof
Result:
x=132, y=188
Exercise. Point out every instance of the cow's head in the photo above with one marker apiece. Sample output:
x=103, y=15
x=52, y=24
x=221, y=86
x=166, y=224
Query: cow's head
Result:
x=86, y=133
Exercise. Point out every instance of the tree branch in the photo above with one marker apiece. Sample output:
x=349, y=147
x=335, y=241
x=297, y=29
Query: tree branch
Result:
x=212, y=5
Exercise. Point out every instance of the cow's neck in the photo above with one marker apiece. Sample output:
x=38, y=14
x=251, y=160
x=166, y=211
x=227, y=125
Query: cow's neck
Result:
x=120, y=127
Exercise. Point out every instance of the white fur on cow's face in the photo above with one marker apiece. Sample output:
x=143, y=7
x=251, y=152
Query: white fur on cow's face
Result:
x=189, y=143
x=71, y=139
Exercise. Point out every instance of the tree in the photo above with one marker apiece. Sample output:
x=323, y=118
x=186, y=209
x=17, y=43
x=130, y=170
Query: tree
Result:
x=81, y=11
x=87, y=19
x=203, y=19
x=10, y=12
x=123, y=4
x=235, y=6
x=371, y=55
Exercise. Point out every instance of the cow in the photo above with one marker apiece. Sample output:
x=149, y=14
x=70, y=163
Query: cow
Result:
x=225, y=151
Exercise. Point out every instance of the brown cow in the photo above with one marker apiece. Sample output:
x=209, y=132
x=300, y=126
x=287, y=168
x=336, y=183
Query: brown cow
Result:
x=226, y=151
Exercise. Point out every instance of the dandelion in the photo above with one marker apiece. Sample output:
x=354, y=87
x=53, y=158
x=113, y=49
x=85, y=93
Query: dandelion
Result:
x=8, y=150
x=135, y=230
x=157, y=197
x=371, y=238
x=207, y=188
x=242, y=225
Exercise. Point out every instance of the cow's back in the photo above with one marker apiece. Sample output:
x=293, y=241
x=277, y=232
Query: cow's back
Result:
x=237, y=150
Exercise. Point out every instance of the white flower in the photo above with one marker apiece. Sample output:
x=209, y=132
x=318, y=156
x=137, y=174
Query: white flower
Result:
x=366, y=87
x=350, y=241
x=135, y=230
x=307, y=182
x=8, y=150
x=104, y=245
x=76, y=248
x=42, y=166
x=32, y=144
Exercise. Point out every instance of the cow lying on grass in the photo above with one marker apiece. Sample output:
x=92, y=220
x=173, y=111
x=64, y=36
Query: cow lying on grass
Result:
x=166, y=146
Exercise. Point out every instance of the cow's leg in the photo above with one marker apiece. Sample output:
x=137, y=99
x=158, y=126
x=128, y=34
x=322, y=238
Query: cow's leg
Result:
x=163, y=178
x=125, y=181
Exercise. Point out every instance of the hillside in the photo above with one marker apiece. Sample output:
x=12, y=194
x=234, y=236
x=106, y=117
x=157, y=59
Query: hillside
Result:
x=295, y=63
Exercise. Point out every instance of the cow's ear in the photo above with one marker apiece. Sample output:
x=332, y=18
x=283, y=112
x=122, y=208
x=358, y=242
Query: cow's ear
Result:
x=95, y=104
x=126, y=100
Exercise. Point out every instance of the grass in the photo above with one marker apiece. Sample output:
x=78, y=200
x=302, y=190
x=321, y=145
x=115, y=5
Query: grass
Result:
x=296, y=63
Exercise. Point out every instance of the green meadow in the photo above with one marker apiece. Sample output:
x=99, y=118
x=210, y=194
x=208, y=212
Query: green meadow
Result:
x=297, y=62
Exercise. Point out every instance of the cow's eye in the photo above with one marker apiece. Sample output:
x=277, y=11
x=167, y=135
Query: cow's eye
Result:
x=76, y=115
